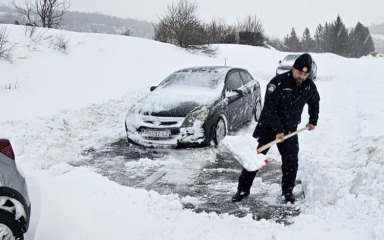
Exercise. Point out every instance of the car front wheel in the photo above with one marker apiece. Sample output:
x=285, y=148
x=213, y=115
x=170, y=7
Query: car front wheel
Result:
x=220, y=131
x=9, y=228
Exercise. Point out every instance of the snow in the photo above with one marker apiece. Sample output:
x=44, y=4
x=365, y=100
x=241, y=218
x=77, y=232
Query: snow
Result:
x=378, y=36
x=243, y=148
x=66, y=103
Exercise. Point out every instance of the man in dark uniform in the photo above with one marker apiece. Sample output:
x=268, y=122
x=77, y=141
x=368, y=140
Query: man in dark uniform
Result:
x=285, y=99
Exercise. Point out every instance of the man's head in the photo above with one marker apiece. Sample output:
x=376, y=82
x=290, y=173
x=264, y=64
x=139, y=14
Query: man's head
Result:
x=302, y=67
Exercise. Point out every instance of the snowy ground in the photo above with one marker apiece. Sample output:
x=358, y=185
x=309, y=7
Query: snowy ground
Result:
x=64, y=104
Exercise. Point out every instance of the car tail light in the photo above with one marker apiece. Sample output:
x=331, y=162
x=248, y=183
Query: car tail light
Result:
x=6, y=148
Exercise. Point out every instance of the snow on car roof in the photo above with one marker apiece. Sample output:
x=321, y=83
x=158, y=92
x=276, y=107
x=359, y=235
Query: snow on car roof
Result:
x=204, y=77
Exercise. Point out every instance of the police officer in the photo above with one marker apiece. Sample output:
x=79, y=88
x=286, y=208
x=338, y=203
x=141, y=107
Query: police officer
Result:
x=285, y=98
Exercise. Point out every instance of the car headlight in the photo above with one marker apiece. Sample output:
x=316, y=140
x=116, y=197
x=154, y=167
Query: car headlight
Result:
x=200, y=115
x=131, y=118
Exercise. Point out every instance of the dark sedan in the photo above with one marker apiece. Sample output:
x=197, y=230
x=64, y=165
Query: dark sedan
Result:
x=15, y=206
x=194, y=107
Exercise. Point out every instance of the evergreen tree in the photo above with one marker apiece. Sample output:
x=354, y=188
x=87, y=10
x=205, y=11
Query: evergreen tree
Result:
x=361, y=42
x=308, y=44
x=328, y=37
x=333, y=37
x=292, y=42
x=319, y=39
x=339, y=38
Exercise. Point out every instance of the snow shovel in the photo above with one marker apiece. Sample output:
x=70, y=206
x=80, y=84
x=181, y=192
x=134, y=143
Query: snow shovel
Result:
x=259, y=150
x=253, y=161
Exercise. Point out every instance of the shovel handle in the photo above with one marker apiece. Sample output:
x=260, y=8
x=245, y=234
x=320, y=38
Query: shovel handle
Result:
x=268, y=145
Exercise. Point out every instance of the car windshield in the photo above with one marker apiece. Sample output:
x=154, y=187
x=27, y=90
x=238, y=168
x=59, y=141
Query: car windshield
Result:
x=202, y=77
x=289, y=58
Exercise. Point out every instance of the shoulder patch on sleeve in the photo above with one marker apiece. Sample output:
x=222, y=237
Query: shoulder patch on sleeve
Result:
x=271, y=88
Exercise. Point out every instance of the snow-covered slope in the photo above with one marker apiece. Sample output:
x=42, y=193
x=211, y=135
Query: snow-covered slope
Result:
x=65, y=103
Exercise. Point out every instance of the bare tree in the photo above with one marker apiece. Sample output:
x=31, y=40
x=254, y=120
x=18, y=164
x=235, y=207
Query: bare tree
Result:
x=43, y=13
x=220, y=32
x=180, y=26
x=251, y=31
x=60, y=43
x=6, y=47
x=251, y=24
x=277, y=44
x=128, y=31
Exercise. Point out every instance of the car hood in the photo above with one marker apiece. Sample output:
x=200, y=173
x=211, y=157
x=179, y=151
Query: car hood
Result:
x=174, y=104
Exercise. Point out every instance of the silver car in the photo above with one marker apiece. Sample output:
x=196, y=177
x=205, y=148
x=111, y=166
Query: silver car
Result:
x=286, y=64
x=15, y=205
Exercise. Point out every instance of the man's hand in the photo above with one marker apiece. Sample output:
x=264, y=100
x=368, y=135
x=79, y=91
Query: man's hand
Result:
x=310, y=127
x=280, y=136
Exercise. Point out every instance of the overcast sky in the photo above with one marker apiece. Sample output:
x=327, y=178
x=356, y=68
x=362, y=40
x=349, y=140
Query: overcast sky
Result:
x=277, y=16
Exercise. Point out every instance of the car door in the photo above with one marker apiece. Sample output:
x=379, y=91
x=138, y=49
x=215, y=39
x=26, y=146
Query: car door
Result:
x=235, y=97
x=248, y=89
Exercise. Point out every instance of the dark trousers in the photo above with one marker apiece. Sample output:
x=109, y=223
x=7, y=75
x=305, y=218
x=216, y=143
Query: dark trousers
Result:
x=289, y=150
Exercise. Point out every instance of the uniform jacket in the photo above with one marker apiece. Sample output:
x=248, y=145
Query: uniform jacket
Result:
x=284, y=104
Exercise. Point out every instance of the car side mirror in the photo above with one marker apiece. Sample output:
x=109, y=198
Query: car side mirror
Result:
x=233, y=93
x=153, y=88
x=280, y=61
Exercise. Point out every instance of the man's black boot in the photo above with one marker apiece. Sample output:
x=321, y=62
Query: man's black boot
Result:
x=289, y=197
x=239, y=196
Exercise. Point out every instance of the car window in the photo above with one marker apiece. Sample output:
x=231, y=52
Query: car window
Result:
x=195, y=77
x=289, y=58
x=233, y=81
x=245, y=77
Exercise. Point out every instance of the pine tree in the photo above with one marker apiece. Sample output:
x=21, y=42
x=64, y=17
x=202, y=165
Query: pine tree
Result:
x=308, y=44
x=333, y=37
x=361, y=42
x=292, y=42
x=328, y=37
x=339, y=38
x=319, y=39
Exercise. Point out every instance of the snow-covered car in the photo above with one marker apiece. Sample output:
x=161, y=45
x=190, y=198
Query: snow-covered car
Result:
x=15, y=205
x=286, y=64
x=194, y=107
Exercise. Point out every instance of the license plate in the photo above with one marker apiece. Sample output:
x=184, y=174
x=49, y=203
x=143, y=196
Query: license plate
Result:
x=156, y=133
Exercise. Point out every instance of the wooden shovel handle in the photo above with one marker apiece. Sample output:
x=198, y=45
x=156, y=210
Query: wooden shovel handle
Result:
x=259, y=150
